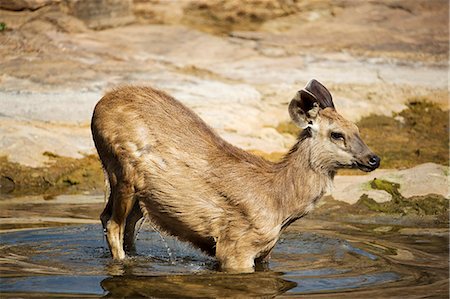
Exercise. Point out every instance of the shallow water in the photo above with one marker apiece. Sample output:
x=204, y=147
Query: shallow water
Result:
x=74, y=261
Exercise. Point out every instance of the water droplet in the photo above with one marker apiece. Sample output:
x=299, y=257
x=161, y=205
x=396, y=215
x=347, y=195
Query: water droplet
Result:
x=169, y=250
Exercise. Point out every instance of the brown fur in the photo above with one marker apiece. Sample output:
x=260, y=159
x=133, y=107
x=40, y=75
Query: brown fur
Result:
x=163, y=161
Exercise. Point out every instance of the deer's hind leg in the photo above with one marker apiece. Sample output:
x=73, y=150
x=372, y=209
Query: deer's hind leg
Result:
x=120, y=204
x=130, y=228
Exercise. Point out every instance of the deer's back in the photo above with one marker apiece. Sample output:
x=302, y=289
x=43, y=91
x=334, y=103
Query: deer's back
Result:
x=143, y=119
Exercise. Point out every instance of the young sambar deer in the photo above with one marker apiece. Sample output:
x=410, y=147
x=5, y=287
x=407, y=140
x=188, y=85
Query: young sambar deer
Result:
x=162, y=161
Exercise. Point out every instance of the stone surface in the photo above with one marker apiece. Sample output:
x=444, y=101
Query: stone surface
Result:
x=99, y=14
x=25, y=4
x=25, y=142
x=54, y=69
x=420, y=180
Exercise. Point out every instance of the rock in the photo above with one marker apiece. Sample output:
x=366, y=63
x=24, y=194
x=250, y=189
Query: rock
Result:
x=422, y=180
x=159, y=12
x=54, y=69
x=54, y=21
x=428, y=178
x=25, y=142
x=98, y=14
x=70, y=107
x=441, y=232
x=7, y=184
x=383, y=229
x=234, y=110
x=25, y=4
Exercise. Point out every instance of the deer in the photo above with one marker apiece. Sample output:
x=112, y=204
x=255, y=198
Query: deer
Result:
x=164, y=163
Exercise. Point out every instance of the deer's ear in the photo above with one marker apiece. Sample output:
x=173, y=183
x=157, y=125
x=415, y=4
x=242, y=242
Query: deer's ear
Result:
x=321, y=93
x=303, y=109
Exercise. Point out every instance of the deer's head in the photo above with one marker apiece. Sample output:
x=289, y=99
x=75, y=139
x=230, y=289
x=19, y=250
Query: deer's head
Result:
x=335, y=142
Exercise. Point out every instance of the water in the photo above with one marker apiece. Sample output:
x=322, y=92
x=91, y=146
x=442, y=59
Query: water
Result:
x=73, y=261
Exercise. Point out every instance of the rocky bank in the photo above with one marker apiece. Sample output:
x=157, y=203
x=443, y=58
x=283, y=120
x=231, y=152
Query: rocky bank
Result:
x=236, y=64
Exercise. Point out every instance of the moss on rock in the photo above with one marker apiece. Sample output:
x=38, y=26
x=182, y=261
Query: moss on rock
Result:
x=61, y=175
x=389, y=187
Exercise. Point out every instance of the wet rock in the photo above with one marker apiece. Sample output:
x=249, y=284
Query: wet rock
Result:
x=424, y=231
x=367, y=202
x=432, y=204
x=425, y=205
x=430, y=211
x=59, y=175
x=383, y=229
x=7, y=184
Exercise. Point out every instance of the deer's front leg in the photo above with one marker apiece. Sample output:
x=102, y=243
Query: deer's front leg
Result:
x=235, y=257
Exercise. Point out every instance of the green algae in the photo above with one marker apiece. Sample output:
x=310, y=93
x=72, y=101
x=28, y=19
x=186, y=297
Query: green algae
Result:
x=416, y=135
x=60, y=175
x=389, y=187
x=428, y=205
x=367, y=202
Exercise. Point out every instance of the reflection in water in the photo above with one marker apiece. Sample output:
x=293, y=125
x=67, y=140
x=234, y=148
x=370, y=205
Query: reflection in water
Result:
x=202, y=285
x=74, y=260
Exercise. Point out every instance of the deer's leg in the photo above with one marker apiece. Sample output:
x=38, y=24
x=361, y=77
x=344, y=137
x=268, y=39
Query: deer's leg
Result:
x=234, y=258
x=122, y=197
x=106, y=214
x=262, y=263
x=130, y=228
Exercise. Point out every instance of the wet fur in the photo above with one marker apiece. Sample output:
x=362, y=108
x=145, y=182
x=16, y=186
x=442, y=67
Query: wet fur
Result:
x=164, y=162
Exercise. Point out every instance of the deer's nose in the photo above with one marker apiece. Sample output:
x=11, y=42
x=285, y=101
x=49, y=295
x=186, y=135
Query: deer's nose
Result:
x=374, y=161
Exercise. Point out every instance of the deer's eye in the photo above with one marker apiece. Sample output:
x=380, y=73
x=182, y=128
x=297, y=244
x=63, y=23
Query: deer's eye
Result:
x=337, y=136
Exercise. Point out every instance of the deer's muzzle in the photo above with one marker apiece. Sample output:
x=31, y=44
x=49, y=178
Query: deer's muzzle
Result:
x=369, y=163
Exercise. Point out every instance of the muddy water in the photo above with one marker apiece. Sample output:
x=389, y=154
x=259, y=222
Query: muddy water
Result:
x=352, y=261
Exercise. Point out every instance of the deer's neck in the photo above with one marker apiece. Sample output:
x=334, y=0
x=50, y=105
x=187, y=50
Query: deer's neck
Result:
x=301, y=180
